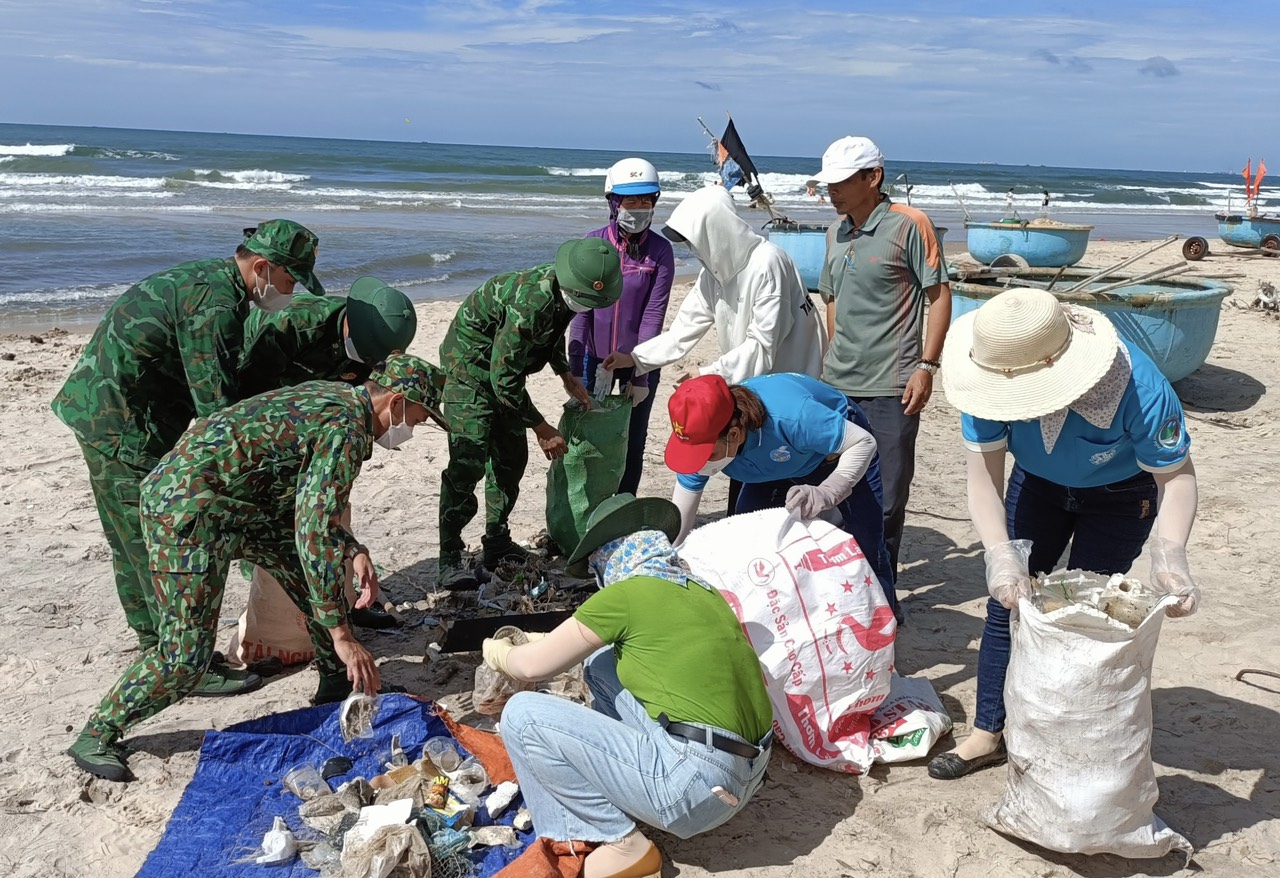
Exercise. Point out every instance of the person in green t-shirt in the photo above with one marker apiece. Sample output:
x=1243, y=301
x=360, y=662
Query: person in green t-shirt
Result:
x=680, y=732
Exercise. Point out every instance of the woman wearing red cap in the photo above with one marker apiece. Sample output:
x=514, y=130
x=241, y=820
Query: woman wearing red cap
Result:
x=792, y=441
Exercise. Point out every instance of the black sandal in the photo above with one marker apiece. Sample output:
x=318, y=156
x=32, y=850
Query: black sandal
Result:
x=949, y=766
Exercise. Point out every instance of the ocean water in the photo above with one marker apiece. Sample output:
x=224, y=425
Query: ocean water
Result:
x=85, y=212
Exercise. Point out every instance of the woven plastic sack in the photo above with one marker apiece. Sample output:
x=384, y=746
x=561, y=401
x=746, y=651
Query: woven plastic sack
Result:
x=909, y=721
x=590, y=471
x=817, y=618
x=1078, y=695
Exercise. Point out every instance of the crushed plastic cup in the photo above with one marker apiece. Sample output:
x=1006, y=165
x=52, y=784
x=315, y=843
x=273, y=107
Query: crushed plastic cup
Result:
x=305, y=782
x=442, y=753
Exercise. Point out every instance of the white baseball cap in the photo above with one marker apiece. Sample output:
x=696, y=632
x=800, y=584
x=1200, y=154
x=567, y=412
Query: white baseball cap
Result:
x=846, y=157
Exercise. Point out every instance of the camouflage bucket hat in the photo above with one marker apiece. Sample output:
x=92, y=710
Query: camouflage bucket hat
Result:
x=291, y=246
x=380, y=319
x=589, y=272
x=417, y=379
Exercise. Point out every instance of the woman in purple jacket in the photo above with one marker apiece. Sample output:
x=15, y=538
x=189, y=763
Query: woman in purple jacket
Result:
x=648, y=268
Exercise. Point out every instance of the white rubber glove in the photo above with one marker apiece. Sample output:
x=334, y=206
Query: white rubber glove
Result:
x=604, y=383
x=495, y=651
x=810, y=501
x=1007, y=576
x=1170, y=574
x=638, y=393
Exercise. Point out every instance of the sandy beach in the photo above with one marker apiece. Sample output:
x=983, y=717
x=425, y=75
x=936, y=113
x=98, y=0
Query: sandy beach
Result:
x=65, y=641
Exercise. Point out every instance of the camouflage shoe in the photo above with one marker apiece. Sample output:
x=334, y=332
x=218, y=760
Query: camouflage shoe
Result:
x=503, y=550
x=452, y=576
x=100, y=757
x=219, y=680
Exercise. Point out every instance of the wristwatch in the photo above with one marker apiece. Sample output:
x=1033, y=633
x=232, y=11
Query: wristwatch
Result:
x=930, y=366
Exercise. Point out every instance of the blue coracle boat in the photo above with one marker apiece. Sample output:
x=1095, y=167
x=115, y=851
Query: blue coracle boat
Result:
x=1048, y=245
x=806, y=244
x=1241, y=230
x=1173, y=321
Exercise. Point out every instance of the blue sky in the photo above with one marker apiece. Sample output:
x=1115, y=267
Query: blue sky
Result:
x=1128, y=83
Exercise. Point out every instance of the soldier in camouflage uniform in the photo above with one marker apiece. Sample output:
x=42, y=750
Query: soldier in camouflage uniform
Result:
x=266, y=479
x=168, y=351
x=503, y=332
x=328, y=338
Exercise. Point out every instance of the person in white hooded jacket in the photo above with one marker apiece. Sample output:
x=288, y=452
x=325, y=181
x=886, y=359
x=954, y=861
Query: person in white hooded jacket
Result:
x=748, y=289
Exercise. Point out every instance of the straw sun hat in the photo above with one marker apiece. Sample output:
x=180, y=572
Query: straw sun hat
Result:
x=1023, y=354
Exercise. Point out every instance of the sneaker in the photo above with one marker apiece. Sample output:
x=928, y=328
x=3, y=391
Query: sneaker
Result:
x=453, y=576
x=100, y=758
x=219, y=680
x=336, y=687
x=373, y=617
x=504, y=550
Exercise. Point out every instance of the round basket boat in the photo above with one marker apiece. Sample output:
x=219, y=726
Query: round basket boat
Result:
x=1051, y=245
x=1174, y=322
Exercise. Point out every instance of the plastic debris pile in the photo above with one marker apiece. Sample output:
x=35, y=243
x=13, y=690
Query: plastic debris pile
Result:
x=414, y=820
x=1079, y=598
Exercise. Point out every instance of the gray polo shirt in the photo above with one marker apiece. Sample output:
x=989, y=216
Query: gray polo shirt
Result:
x=877, y=276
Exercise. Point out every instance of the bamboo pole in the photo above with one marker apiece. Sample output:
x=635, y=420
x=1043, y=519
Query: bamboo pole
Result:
x=1124, y=263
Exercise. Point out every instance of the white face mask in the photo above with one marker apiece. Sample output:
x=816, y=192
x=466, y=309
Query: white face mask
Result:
x=397, y=434
x=632, y=221
x=714, y=466
x=351, y=350
x=574, y=306
x=269, y=298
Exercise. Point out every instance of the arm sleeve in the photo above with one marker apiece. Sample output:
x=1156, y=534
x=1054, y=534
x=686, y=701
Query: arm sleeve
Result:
x=857, y=450
x=607, y=613
x=826, y=277
x=983, y=435
x=655, y=309
x=770, y=322
x=558, y=361
x=691, y=323
x=209, y=343
x=578, y=334
x=566, y=646
x=1158, y=427
x=269, y=347
x=985, y=486
x=513, y=346
x=924, y=253
x=324, y=487
x=687, y=500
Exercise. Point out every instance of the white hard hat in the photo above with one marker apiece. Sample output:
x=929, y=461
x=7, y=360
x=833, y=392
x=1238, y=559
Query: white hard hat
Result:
x=632, y=177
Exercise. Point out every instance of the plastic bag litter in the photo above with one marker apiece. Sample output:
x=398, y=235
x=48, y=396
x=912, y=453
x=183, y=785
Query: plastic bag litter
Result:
x=468, y=781
x=493, y=689
x=357, y=715
x=399, y=848
x=278, y=845
x=1083, y=600
x=909, y=721
x=494, y=836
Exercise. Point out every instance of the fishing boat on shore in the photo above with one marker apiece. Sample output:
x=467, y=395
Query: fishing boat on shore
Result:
x=1021, y=243
x=1247, y=230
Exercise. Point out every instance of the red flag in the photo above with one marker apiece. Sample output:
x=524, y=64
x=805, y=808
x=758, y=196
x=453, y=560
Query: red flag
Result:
x=1257, y=181
x=1247, y=173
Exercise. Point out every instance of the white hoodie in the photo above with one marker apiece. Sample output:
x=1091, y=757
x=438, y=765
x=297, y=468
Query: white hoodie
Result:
x=749, y=289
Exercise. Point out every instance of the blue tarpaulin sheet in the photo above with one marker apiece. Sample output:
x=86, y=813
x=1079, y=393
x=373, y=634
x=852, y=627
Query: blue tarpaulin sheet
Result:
x=237, y=789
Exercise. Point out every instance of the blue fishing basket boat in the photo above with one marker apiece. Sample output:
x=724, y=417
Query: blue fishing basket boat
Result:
x=1027, y=243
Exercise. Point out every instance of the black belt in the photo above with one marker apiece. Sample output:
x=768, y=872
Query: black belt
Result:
x=700, y=735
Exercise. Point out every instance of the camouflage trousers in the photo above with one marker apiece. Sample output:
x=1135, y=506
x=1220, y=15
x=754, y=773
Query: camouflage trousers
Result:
x=115, y=487
x=486, y=443
x=189, y=559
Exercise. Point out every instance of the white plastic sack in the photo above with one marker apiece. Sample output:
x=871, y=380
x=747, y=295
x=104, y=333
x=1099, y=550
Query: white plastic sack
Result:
x=909, y=722
x=1078, y=696
x=816, y=615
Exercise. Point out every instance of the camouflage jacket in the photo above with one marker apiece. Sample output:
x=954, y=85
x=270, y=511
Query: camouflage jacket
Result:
x=304, y=342
x=503, y=332
x=279, y=465
x=166, y=351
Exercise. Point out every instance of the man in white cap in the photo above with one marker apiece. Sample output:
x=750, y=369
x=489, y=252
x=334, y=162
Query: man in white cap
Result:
x=884, y=260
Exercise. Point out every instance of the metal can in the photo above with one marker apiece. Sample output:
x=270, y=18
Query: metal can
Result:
x=438, y=793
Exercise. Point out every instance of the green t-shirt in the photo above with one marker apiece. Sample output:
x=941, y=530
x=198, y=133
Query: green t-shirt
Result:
x=682, y=652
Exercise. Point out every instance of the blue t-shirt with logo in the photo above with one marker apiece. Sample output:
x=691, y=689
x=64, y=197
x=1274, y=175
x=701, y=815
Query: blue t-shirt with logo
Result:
x=804, y=423
x=1148, y=432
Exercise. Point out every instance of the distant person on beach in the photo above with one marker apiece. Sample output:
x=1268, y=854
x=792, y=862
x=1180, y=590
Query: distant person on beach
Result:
x=749, y=290
x=503, y=332
x=167, y=351
x=883, y=262
x=680, y=728
x=1100, y=455
x=268, y=480
x=326, y=338
x=631, y=188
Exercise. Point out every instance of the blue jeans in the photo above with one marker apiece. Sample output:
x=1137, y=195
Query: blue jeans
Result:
x=584, y=366
x=1107, y=528
x=861, y=513
x=895, y=433
x=589, y=774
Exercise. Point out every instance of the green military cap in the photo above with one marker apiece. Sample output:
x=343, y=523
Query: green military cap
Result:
x=589, y=272
x=289, y=245
x=380, y=319
x=417, y=379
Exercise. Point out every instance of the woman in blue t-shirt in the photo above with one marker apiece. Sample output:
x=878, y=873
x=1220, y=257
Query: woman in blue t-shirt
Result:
x=792, y=441
x=1100, y=451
